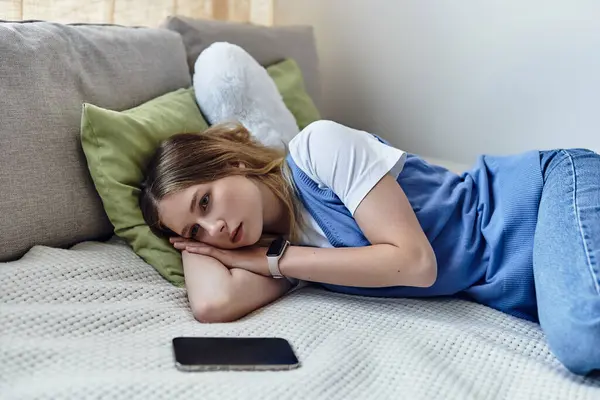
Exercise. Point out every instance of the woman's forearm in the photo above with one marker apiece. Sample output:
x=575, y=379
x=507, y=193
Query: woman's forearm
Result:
x=250, y=291
x=378, y=265
x=219, y=294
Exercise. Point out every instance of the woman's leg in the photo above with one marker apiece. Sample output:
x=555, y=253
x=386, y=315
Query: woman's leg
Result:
x=566, y=259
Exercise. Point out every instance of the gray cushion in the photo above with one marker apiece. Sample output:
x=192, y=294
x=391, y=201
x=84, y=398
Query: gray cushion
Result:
x=266, y=44
x=47, y=71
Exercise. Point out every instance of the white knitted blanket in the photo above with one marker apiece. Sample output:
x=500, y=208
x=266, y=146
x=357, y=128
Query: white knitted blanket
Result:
x=97, y=322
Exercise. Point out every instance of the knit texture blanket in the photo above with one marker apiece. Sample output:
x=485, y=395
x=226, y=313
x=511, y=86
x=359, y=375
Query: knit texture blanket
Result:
x=96, y=321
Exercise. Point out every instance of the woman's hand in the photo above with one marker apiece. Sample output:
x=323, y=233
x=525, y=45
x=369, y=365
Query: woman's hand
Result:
x=253, y=259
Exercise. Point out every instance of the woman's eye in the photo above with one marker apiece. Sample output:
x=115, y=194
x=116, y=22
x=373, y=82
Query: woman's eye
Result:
x=194, y=231
x=204, y=201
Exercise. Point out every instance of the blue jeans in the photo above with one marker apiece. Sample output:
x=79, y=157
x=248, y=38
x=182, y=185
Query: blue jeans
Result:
x=566, y=257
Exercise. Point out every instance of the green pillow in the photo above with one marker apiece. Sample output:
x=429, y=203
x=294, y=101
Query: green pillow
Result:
x=289, y=81
x=117, y=146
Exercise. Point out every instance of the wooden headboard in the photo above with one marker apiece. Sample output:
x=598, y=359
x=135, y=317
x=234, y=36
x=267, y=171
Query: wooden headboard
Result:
x=136, y=12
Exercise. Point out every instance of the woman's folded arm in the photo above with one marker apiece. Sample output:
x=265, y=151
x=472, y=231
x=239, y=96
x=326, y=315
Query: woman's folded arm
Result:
x=219, y=294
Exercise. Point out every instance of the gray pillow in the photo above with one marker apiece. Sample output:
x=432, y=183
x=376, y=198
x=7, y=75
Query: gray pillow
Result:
x=267, y=45
x=47, y=71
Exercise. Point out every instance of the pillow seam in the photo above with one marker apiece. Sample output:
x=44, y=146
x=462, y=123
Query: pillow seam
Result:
x=98, y=157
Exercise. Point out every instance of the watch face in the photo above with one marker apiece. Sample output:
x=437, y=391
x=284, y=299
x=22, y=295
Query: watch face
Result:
x=276, y=247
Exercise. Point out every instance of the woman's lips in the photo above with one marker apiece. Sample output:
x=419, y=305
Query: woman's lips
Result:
x=237, y=234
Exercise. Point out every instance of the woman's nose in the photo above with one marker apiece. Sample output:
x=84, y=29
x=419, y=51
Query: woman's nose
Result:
x=214, y=228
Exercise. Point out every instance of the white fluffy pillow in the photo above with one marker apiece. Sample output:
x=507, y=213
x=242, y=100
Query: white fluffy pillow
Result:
x=231, y=85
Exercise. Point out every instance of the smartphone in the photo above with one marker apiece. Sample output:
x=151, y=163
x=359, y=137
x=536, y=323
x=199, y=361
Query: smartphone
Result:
x=233, y=353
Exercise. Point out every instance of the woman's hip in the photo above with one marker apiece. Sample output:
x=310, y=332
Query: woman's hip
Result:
x=572, y=162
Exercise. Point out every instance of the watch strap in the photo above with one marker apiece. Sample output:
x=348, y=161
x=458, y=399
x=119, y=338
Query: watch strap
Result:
x=274, y=267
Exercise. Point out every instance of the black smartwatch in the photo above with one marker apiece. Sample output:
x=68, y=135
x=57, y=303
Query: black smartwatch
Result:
x=274, y=253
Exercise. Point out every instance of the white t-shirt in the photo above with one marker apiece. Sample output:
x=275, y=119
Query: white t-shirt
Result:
x=347, y=161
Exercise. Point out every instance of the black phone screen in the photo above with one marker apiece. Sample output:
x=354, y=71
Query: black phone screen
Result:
x=216, y=352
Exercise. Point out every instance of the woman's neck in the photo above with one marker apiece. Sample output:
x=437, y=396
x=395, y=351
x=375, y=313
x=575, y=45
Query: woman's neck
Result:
x=276, y=218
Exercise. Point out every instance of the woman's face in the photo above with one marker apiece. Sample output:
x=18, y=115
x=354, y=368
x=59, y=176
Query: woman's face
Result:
x=226, y=213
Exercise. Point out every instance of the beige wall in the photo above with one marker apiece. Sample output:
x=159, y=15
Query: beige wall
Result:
x=454, y=79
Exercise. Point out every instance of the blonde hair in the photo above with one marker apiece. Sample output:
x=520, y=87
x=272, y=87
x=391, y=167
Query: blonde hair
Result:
x=187, y=159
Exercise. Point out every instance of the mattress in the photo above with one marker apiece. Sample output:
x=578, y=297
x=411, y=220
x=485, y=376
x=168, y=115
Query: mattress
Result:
x=95, y=321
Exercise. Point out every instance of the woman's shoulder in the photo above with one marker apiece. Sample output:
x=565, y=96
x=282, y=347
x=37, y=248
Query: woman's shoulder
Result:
x=348, y=161
x=325, y=138
x=321, y=131
x=318, y=145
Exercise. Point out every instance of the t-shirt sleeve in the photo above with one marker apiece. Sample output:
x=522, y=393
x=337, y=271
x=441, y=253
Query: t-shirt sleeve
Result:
x=348, y=161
